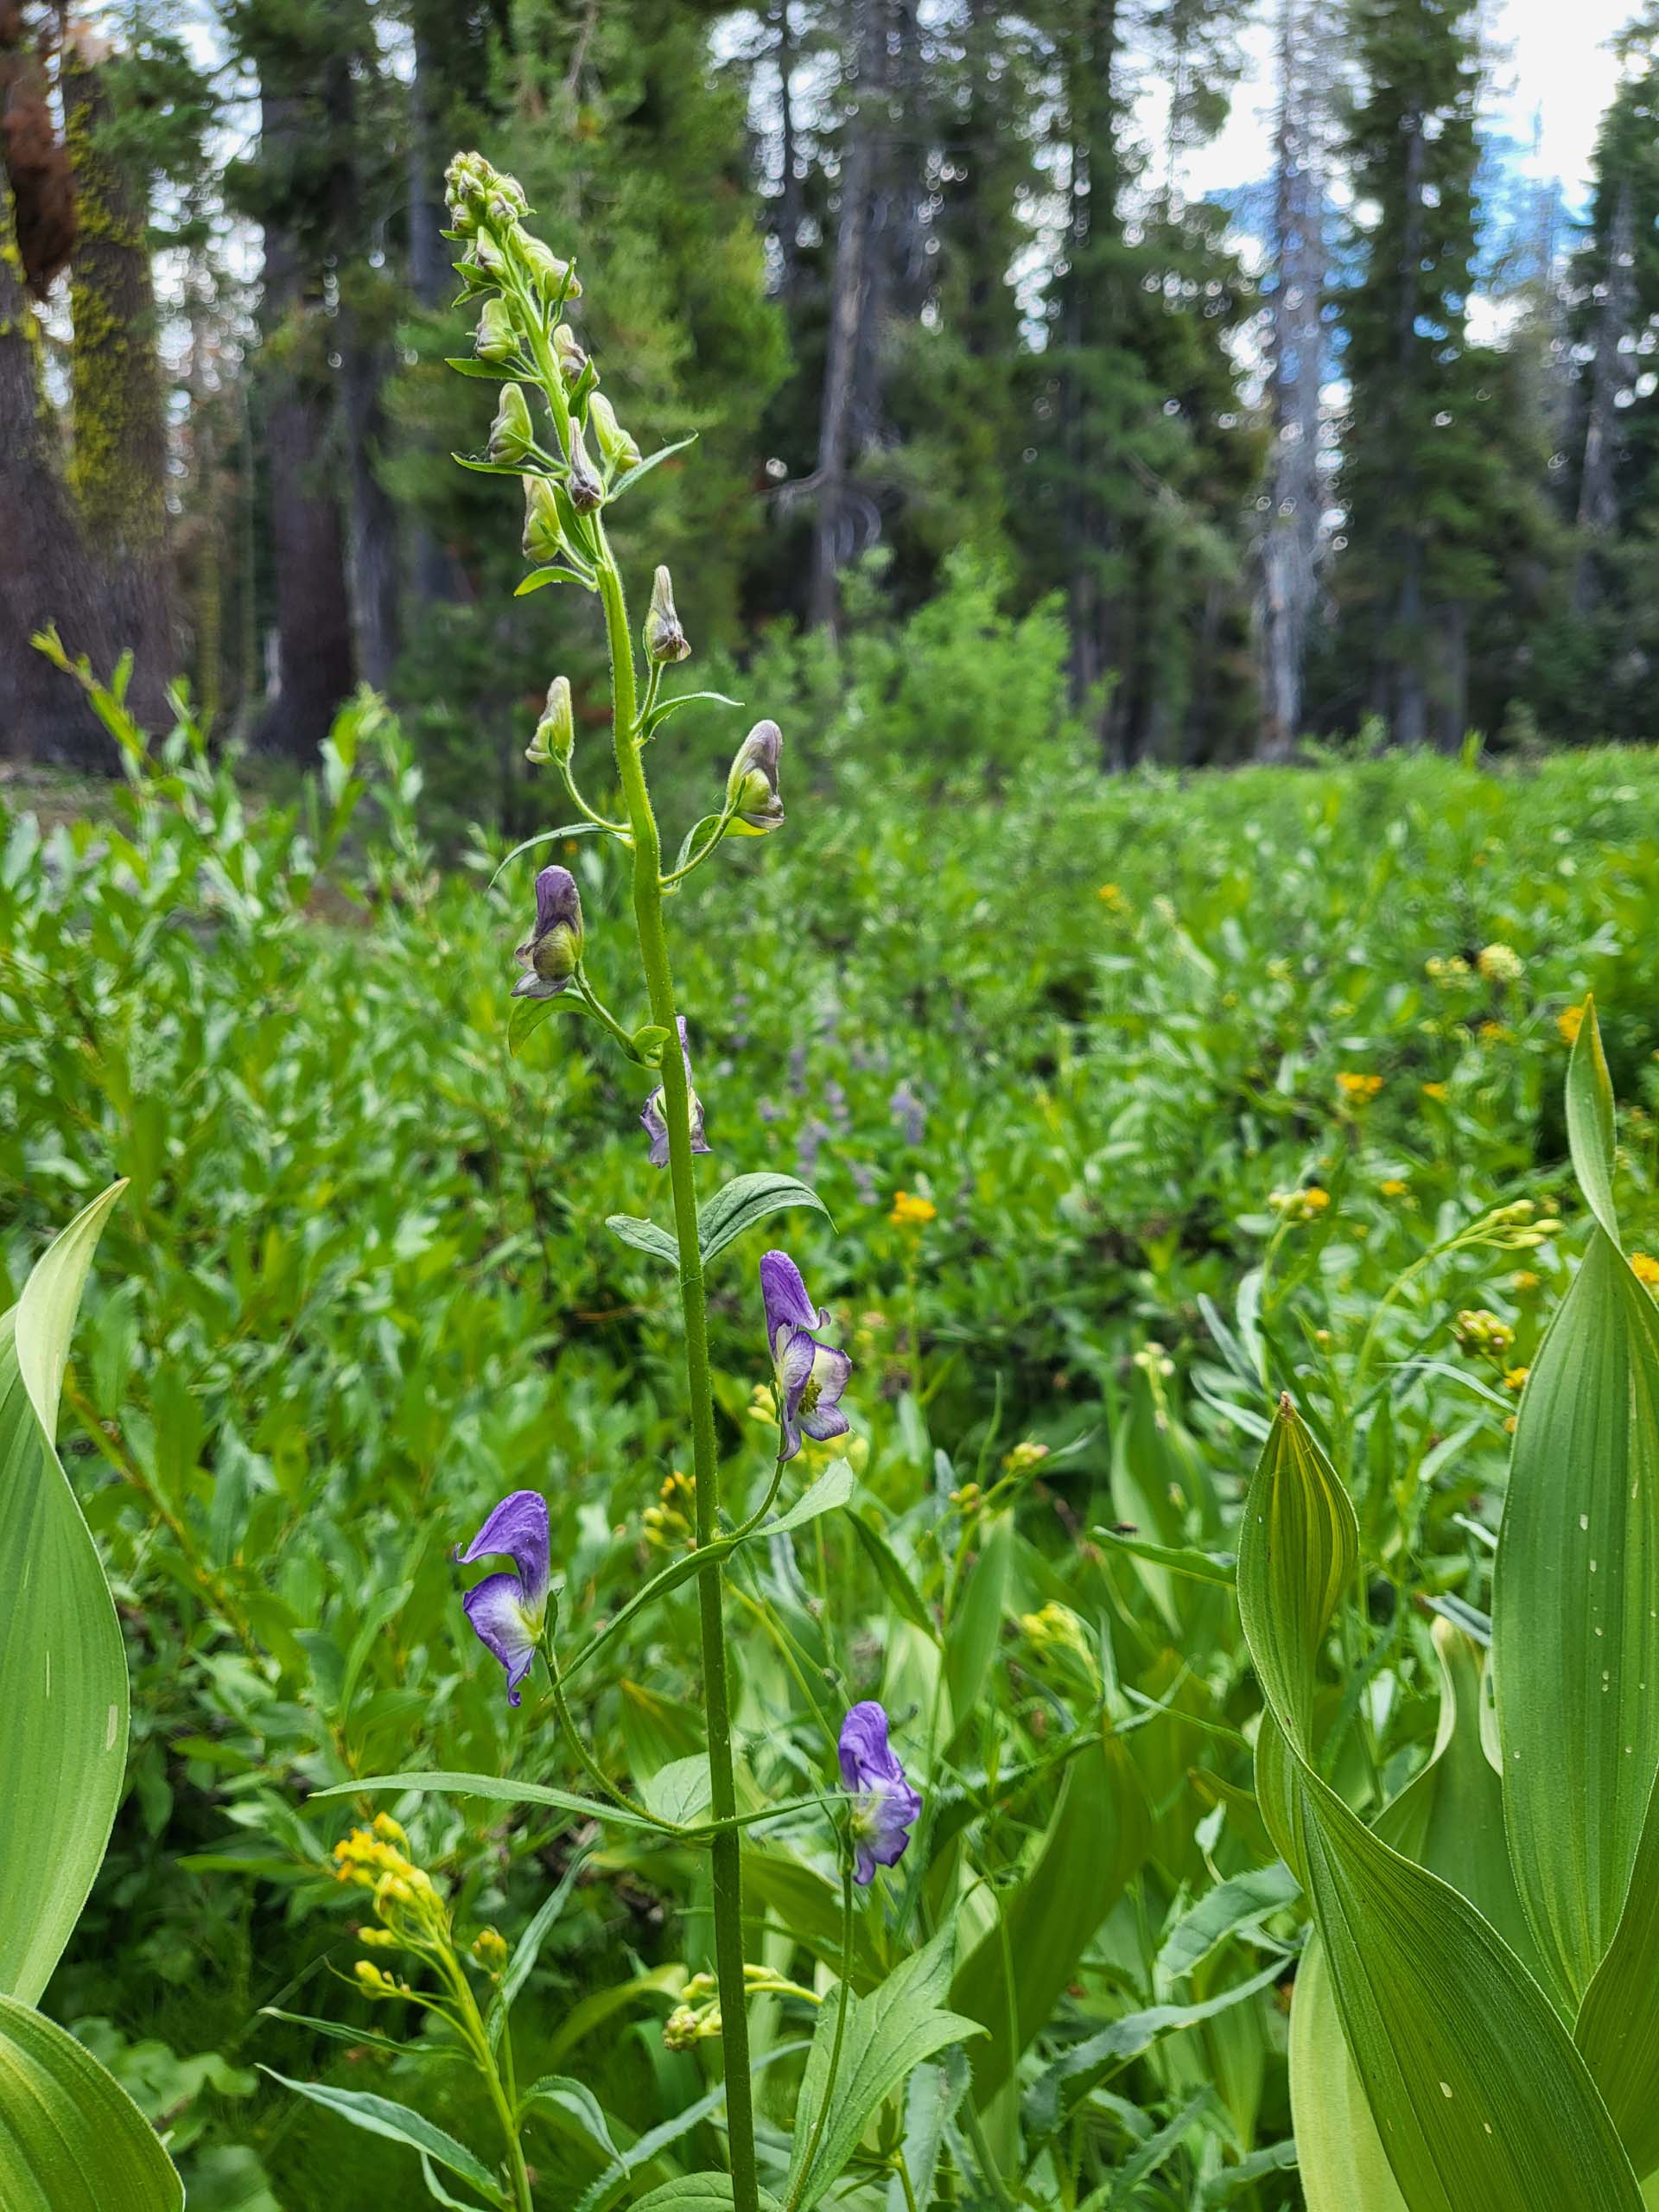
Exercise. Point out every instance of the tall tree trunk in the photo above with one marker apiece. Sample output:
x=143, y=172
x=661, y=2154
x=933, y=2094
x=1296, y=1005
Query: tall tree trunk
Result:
x=314, y=664
x=1288, y=584
x=790, y=210
x=1404, y=648
x=834, y=536
x=44, y=574
x=1598, y=496
x=119, y=467
x=433, y=574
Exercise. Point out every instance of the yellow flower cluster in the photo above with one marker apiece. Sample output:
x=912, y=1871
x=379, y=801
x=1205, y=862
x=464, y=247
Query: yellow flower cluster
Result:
x=1435, y=1091
x=1393, y=1186
x=1450, y=969
x=1501, y=963
x=1300, y=1205
x=669, y=1522
x=1515, y=1378
x=1645, y=1269
x=406, y=1900
x=1111, y=896
x=1569, y=1022
x=1358, y=1089
x=912, y=1213
x=1024, y=1456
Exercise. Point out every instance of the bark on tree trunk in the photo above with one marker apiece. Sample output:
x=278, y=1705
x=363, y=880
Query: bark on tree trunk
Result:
x=119, y=465
x=433, y=573
x=790, y=210
x=1405, y=648
x=314, y=664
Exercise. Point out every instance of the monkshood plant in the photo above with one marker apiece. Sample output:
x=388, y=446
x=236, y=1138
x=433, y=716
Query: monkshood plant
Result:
x=554, y=432
x=71, y=2139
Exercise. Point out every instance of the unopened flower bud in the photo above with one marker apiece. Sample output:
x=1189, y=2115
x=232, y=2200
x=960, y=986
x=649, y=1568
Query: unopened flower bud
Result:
x=551, y=952
x=510, y=434
x=553, y=277
x=572, y=357
x=480, y=267
x=752, y=787
x=586, y=491
x=374, y=1982
x=556, y=732
x=619, y=447
x=664, y=639
x=490, y=1948
x=494, y=339
x=543, y=538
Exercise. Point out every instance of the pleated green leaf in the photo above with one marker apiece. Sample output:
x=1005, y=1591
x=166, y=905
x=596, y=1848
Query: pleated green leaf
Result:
x=1590, y=1121
x=71, y=2139
x=1481, y=2101
x=63, y=1670
x=1575, y=1627
x=1617, y=2028
x=1344, y=2166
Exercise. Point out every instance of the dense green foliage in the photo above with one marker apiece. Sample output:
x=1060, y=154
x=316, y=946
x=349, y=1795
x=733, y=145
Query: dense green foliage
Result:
x=360, y=1285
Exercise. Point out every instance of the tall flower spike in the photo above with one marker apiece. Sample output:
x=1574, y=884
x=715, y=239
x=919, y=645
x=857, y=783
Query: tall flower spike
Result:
x=752, y=787
x=654, y=1123
x=551, y=952
x=884, y=1802
x=810, y=1374
x=508, y=1611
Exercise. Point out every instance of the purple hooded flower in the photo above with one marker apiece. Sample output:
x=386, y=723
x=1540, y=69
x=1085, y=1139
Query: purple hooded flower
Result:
x=551, y=951
x=810, y=1374
x=884, y=1804
x=654, y=1123
x=508, y=1611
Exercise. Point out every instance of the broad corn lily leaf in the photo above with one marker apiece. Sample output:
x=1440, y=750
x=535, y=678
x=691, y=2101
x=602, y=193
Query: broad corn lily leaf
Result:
x=1481, y=2101
x=63, y=1670
x=71, y=2139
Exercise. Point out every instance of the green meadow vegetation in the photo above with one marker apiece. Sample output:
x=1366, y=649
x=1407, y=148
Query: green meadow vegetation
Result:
x=1131, y=1106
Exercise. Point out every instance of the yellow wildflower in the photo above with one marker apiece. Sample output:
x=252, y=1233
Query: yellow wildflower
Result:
x=1523, y=1280
x=490, y=1948
x=1501, y=963
x=1393, y=1187
x=376, y=1983
x=1358, y=1090
x=1480, y=1331
x=1515, y=1378
x=1434, y=1090
x=1645, y=1268
x=1493, y=1032
x=1110, y=895
x=1569, y=1022
x=912, y=1213
x=1450, y=971
x=1024, y=1456
x=1300, y=1205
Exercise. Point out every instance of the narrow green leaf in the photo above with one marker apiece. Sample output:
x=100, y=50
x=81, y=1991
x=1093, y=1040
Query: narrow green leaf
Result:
x=380, y=2116
x=976, y=1623
x=527, y=1016
x=71, y=2139
x=501, y=1787
x=1590, y=1122
x=469, y=365
x=1482, y=2101
x=558, y=572
x=888, y=2034
x=527, y=1950
x=1180, y=1559
x=631, y=477
x=1012, y=1979
x=1229, y=1909
x=895, y=1578
x=544, y=837
x=746, y=1200
x=644, y=1236
x=1575, y=1638
x=833, y=1488
x=698, y=2193
x=63, y=1668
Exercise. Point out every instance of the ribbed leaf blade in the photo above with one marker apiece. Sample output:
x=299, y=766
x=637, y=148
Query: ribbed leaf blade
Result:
x=71, y=2139
x=63, y=1669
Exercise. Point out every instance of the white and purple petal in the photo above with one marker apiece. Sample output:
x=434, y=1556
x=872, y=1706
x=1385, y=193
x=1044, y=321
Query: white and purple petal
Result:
x=505, y=1625
x=518, y=1528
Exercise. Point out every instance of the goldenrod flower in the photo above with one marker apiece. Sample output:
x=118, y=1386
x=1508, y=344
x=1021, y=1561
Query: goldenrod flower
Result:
x=1393, y=1187
x=1024, y=1456
x=1646, y=1269
x=1300, y=1205
x=1110, y=895
x=490, y=1948
x=1493, y=1032
x=1523, y=1280
x=912, y=1213
x=1501, y=963
x=1569, y=1022
x=1434, y=1090
x=1480, y=1331
x=1358, y=1090
x=1515, y=1378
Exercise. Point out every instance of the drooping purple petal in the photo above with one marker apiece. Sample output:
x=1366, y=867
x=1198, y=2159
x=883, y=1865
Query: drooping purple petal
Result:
x=556, y=901
x=884, y=1804
x=518, y=1528
x=821, y=1413
x=551, y=953
x=654, y=1122
x=784, y=1296
x=505, y=1625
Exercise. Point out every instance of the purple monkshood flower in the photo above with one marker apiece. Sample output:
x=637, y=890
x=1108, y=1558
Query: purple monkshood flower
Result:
x=508, y=1611
x=655, y=1125
x=884, y=1804
x=551, y=951
x=810, y=1375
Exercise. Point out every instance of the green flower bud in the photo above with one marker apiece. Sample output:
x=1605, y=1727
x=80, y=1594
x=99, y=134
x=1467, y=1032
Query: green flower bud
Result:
x=615, y=442
x=543, y=538
x=664, y=639
x=549, y=271
x=494, y=339
x=584, y=486
x=571, y=358
x=480, y=267
x=752, y=787
x=556, y=732
x=510, y=434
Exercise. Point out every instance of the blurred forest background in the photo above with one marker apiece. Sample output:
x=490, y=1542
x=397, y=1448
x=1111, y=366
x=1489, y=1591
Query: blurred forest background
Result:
x=923, y=277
